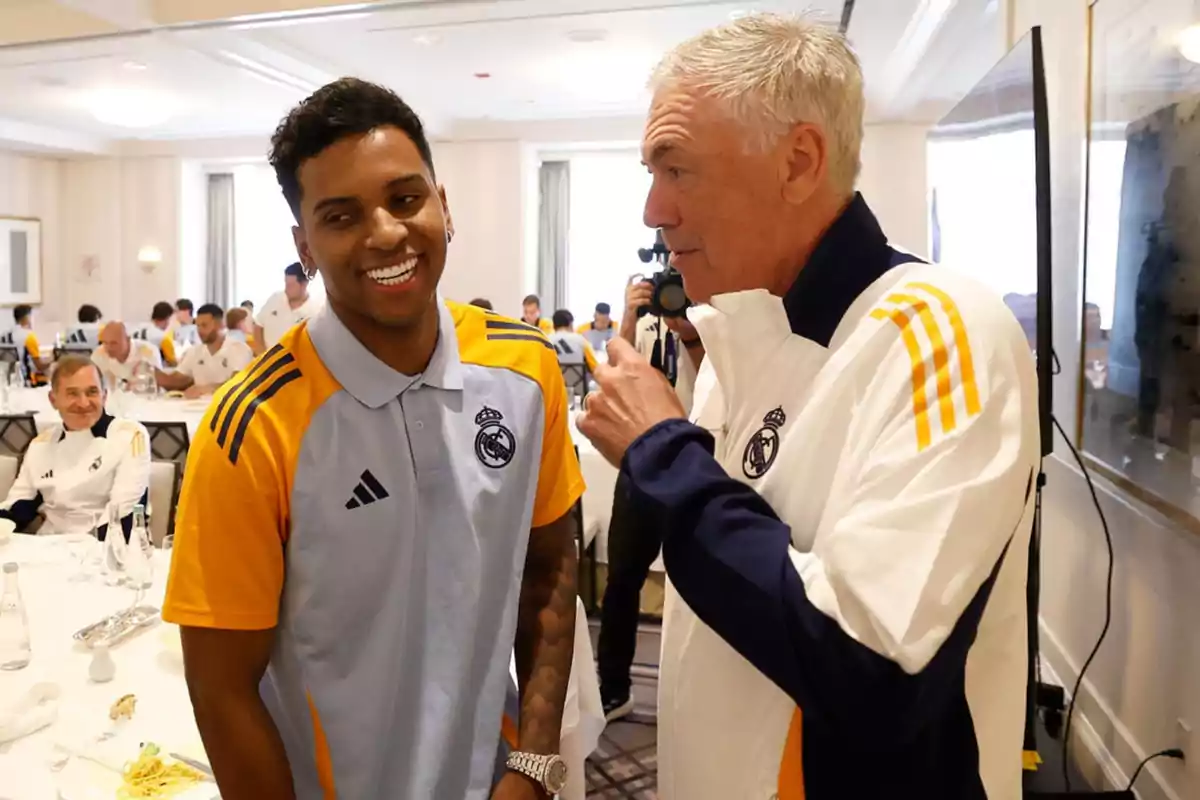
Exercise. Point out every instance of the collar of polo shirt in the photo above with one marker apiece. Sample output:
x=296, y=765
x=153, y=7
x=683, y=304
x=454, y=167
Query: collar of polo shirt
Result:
x=369, y=380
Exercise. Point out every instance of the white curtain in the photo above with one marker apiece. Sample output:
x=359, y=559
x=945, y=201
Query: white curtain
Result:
x=554, y=225
x=218, y=274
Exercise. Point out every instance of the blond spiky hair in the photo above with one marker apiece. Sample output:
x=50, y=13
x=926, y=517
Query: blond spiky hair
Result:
x=773, y=71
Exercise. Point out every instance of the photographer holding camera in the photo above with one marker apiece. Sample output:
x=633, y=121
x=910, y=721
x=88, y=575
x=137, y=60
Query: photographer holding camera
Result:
x=672, y=336
x=671, y=345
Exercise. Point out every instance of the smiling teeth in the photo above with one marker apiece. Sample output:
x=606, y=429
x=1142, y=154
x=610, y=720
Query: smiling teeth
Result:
x=397, y=273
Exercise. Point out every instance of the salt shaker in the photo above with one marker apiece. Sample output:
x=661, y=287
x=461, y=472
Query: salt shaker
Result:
x=102, y=669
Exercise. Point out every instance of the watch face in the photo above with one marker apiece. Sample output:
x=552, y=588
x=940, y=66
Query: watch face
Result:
x=556, y=775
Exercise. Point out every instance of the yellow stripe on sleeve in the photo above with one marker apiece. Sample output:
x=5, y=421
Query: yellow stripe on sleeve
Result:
x=961, y=345
x=941, y=359
x=920, y=401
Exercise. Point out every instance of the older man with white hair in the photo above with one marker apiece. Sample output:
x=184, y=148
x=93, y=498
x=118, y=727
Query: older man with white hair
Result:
x=845, y=521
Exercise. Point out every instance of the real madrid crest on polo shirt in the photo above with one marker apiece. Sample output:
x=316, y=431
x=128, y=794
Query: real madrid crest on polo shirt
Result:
x=763, y=445
x=495, y=444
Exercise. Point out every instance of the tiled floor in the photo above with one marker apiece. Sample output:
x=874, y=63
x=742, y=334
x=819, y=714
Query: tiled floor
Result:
x=625, y=765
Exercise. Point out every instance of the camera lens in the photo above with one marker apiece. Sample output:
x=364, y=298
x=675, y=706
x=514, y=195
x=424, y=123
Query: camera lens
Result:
x=670, y=298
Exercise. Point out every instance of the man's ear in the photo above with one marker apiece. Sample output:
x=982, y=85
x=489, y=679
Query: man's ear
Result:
x=303, y=251
x=446, y=212
x=804, y=162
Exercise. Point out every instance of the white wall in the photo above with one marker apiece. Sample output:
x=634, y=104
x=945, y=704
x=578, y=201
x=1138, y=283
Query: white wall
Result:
x=113, y=207
x=105, y=210
x=1148, y=673
x=893, y=182
x=483, y=182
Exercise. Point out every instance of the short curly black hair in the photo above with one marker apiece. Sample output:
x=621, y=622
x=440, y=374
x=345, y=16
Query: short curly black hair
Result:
x=346, y=107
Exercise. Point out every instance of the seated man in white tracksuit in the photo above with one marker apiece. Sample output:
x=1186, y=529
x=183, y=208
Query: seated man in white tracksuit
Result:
x=845, y=520
x=75, y=473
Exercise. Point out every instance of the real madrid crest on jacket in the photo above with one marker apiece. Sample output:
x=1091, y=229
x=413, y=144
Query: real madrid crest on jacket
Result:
x=845, y=528
x=71, y=477
x=763, y=445
x=495, y=444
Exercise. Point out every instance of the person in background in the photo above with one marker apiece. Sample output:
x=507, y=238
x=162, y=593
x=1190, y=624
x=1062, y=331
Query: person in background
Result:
x=85, y=335
x=481, y=302
x=249, y=306
x=659, y=340
x=572, y=348
x=239, y=325
x=208, y=365
x=632, y=549
x=312, y=556
x=284, y=309
x=29, y=355
x=185, y=333
x=845, y=524
x=600, y=329
x=531, y=314
x=73, y=471
x=158, y=332
x=89, y=314
x=121, y=358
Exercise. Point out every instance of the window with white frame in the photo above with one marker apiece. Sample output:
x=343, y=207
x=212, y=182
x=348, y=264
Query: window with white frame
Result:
x=263, y=244
x=608, y=193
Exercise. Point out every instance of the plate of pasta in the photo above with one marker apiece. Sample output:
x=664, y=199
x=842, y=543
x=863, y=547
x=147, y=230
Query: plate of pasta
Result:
x=150, y=775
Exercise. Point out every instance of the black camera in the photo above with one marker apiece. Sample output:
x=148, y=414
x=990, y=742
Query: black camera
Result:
x=667, y=297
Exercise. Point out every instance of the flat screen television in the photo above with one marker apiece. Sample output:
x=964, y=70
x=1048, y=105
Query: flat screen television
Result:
x=989, y=199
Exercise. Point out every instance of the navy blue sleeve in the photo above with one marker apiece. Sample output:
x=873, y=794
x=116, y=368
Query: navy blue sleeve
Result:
x=126, y=522
x=23, y=512
x=727, y=554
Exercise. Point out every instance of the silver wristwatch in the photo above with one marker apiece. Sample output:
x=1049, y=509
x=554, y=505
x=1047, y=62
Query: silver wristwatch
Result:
x=549, y=771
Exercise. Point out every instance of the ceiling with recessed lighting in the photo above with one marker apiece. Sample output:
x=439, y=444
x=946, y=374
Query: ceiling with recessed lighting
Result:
x=107, y=70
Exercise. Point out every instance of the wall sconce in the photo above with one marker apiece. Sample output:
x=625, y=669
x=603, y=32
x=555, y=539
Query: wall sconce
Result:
x=149, y=257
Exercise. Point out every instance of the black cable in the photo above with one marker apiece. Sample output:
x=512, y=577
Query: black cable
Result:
x=1173, y=752
x=847, y=12
x=1107, y=603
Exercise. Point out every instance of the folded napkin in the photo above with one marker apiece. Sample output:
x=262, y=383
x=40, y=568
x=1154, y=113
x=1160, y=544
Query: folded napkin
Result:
x=37, y=709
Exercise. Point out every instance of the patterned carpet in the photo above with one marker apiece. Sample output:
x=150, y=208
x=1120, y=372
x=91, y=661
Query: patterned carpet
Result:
x=625, y=764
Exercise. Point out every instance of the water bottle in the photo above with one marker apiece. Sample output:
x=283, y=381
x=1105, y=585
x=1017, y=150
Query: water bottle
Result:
x=14, y=626
x=139, y=570
x=115, y=549
x=141, y=532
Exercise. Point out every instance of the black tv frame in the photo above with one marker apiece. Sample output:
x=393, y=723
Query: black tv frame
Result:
x=1045, y=305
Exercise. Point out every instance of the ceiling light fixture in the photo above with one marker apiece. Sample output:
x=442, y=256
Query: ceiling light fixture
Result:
x=130, y=108
x=1189, y=43
x=427, y=39
x=282, y=19
x=588, y=35
x=266, y=72
x=136, y=66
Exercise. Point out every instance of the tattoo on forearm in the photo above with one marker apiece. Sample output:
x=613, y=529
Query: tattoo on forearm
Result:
x=545, y=639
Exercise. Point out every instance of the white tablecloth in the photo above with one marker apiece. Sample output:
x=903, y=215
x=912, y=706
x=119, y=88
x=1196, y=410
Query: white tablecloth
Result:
x=149, y=666
x=601, y=480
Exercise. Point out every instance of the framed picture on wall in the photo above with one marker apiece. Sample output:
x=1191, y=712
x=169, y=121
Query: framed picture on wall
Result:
x=20, y=261
x=1140, y=382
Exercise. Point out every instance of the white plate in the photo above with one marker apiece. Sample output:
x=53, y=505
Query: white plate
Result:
x=98, y=776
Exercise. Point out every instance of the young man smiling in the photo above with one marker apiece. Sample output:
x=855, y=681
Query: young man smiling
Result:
x=380, y=506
